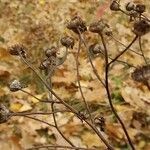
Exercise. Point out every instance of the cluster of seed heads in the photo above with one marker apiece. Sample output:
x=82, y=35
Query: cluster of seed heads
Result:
x=140, y=8
x=4, y=113
x=50, y=60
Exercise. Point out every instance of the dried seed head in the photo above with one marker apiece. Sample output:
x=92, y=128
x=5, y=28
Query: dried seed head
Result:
x=98, y=26
x=141, y=74
x=130, y=6
x=67, y=41
x=4, y=114
x=44, y=64
x=48, y=63
x=51, y=52
x=140, y=8
x=95, y=48
x=15, y=85
x=141, y=27
x=17, y=49
x=114, y=6
x=76, y=24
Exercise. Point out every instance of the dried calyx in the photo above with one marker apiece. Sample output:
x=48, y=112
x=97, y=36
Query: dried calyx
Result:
x=95, y=49
x=67, y=41
x=76, y=24
x=130, y=6
x=141, y=27
x=98, y=26
x=15, y=86
x=51, y=52
x=18, y=49
x=4, y=113
x=114, y=6
x=141, y=74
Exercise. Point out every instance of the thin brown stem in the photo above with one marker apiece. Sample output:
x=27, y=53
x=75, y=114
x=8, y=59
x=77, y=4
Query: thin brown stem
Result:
x=125, y=45
x=122, y=52
x=108, y=91
x=60, y=147
x=40, y=100
x=55, y=122
x=78, y=81
x=36, y=119
x=140, y=46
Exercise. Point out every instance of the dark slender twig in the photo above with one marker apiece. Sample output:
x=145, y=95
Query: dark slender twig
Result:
x=107, y=87
x=122, y=52
x=36, y=119
x=91, y=125
x=120, y=61
x=40, y=100
x=78, y=81
x=93, y=67
x=37, y=113
x=125, y=45
x=140, y=46
x=55, y=122
x=60, y=147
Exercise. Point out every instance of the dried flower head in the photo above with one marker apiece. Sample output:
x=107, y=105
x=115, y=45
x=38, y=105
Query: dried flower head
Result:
x=4, y=114
x=15, y=85
x=114, y=6
x=95, y=48
x=140, y=8
x=51, y=52
x=76, y=24
x=141, y=27
x=18, y=49
x=67, y=41
x=98, y=26
x=141, y=74
x=130, y=6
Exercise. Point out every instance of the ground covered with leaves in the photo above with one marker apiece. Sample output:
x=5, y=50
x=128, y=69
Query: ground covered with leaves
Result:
x=39, y=25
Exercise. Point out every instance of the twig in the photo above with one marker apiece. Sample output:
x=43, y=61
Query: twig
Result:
x=140, y=46
x=59, y=146
x=40, y=100
x=122, y=52
x=78, y=81
x=107, y=86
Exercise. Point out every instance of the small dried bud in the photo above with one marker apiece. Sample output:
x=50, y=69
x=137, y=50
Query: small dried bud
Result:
x=76, y=24
x=98, y=27
x=141, y=74
x=17, y=49
x=67, y=41
x=4, y=114
x=114, y=6
x=51, y=52
x=44, y=64
x=130, y=6
x=140, y=8
x=95, y=49
x=15, y=85
x=141, y=27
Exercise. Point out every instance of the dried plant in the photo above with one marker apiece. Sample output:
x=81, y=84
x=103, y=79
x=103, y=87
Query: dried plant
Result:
x=141, y=26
